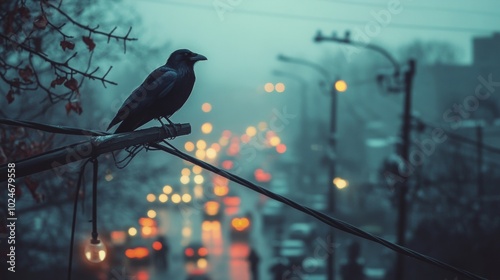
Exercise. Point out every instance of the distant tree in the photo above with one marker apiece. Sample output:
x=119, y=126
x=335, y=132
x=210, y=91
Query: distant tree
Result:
x=47, y=46
x=429, y=52
x=448, y=221
x=48, y=50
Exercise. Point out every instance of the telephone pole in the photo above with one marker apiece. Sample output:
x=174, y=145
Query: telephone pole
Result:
x=331, y=152
x=398, y=84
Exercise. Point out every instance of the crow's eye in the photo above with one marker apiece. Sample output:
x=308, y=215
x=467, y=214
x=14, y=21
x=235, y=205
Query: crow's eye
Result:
x=186, y=54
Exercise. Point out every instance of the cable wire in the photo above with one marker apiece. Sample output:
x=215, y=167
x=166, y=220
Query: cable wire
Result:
x=73, y=222
x=418, y=7
x=459, y=137
x=333, y=222
x=53, y=128
x=328, y=19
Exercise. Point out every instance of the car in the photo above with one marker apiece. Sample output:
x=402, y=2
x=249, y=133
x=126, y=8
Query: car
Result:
x=196, y=259
x=138, y=251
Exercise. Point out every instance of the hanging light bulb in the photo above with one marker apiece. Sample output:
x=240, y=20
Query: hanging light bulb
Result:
x=95, y=251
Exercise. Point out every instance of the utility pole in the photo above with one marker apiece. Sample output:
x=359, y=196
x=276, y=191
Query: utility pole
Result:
x=406, y=87
x=405, y=152
x=332, y=159
x=479, y=147
x=331, y=154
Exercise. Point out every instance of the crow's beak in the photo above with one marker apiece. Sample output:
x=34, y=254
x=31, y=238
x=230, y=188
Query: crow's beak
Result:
x=197, y=57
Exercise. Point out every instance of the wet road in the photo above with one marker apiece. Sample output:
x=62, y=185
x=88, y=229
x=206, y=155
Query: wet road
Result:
x=227, y=259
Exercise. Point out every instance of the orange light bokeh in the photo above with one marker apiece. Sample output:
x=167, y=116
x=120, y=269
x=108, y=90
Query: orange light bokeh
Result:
x=221, y=190
x=281, y=148
x=212, y=208
x=227, y=164
x=240, y=224
x=206, y=107
x=189, y=252
x=147, y=222
x=157, y=245
x=202, y=251
x=137, y=253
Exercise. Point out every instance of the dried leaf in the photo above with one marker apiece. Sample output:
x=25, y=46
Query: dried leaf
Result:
x=72, y=84
x=15, y=82
x=57, y=81
x=68, y=107
x=24, y=12
x=77, y=107
x=74, y=106
x=89, y=42
x=26, y=73
x=67, y=45
x=10, y=96
x=40, y=22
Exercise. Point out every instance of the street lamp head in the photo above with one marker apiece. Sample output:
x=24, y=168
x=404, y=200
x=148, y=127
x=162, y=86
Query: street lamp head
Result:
x=340, y=86
x=319, y=37
x=347, y=37
x=282, y=57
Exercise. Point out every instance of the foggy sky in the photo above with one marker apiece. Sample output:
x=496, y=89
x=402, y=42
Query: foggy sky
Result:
x=243, y=40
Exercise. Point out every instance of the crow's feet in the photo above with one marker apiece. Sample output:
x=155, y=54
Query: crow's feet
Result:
x=173, y=133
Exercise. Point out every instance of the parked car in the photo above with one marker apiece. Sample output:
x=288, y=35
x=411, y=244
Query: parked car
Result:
x=138, y=251
x=196, y=259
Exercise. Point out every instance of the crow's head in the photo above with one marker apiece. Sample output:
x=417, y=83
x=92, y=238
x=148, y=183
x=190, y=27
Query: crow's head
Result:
x=184, y=57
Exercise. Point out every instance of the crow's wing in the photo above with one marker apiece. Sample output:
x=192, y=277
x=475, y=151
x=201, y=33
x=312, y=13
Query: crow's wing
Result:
x=156, y=86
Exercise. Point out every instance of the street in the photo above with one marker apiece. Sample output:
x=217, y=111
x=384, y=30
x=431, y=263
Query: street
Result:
x=226, y=259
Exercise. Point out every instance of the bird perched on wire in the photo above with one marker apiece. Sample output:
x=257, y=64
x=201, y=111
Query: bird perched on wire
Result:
x=163, y=92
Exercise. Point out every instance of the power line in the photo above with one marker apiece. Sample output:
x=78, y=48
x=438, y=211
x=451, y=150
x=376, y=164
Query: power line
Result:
x=333, y=222
x=460, y=138
x=418, y=7
x=328, y=19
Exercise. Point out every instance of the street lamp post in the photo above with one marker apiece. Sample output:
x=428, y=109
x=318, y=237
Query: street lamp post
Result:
x=332, y=144
x=332, y=137
x=405, y=133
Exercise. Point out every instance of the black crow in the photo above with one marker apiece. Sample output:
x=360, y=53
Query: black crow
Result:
x=163, y=92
